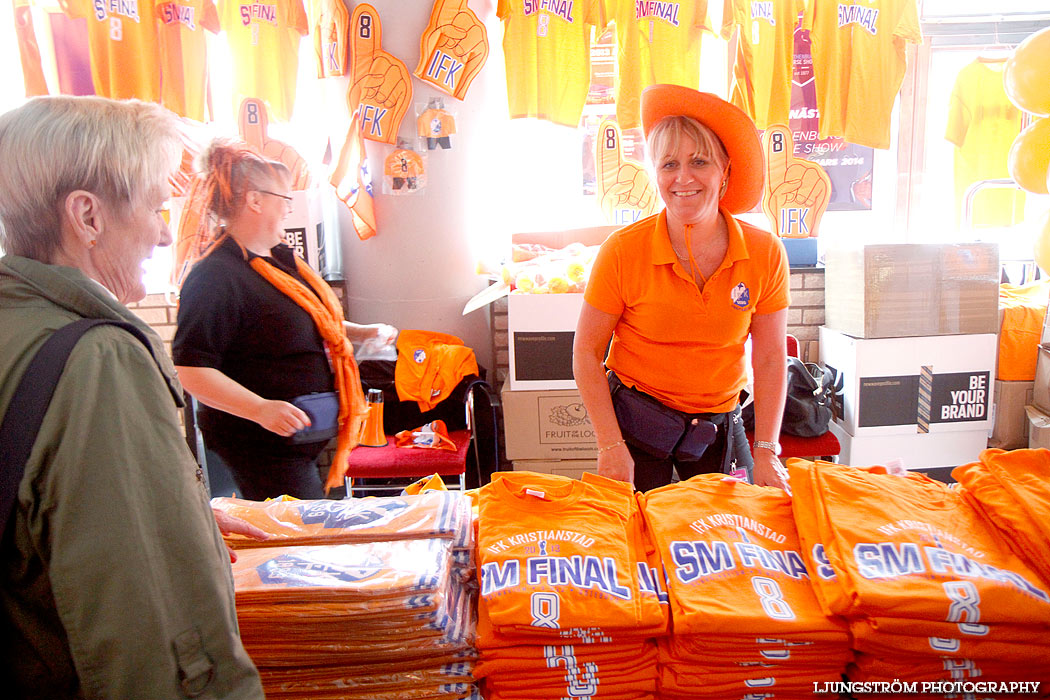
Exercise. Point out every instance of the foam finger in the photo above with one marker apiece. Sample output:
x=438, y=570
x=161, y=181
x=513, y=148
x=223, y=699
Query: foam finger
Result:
x=367, y=37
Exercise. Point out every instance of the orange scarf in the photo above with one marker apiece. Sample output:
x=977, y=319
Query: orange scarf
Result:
x=327, y=314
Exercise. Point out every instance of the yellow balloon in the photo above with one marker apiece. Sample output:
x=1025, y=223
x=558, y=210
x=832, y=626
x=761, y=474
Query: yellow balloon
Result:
x=1042, y=243
x=1029, y=157
x=1025, y=74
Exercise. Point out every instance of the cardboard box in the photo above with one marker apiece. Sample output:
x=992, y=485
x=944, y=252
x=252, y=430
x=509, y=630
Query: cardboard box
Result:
x=1041, y=386
x=546, y=425
x=914, y=450
x=1038, y=428
x=540, y=331
x=882, y=378
x=896, y=291
x=304, y=227
x=1010, y=421
x=572, y=468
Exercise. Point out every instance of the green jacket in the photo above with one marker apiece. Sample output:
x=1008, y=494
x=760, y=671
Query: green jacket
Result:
x=118, y=584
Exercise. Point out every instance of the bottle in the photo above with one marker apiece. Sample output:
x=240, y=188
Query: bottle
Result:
x=373, y=435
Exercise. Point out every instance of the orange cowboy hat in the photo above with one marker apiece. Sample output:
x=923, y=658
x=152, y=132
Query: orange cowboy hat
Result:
x=729, y=123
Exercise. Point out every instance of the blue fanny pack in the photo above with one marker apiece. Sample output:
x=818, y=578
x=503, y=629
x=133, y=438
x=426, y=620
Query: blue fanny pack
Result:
x=323, y=409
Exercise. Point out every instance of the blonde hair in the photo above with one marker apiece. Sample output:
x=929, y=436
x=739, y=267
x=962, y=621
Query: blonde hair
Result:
x=51, y=146
x=667, y=134
x=231, y=168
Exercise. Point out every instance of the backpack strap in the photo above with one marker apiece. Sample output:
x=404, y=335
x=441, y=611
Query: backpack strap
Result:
x=25, y=413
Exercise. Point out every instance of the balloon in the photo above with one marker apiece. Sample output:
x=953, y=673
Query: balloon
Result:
x=1025, y=74
x=1042, y=244
x=1029, y=157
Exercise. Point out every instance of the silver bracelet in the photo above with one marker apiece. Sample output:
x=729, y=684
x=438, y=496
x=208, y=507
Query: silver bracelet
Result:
x=774, y=447
x=609, y=447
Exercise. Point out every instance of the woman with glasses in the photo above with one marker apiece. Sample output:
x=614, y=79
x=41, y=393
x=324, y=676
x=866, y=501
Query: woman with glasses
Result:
x=257, y=328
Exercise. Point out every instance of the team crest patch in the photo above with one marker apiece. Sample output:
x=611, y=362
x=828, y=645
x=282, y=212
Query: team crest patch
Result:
x=741, y=296
x=419, y=356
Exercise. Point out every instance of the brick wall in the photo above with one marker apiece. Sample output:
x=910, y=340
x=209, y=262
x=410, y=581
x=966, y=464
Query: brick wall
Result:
x=805, y=316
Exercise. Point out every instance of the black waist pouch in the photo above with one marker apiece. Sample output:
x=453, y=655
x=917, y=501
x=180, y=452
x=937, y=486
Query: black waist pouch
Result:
x=323, y=409
x=657, y=429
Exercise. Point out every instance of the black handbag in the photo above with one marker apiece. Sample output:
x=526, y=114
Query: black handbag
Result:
x=660, y=431
x=807, y=406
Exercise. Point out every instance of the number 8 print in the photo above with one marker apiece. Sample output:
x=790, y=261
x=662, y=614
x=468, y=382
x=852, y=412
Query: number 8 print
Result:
x=772, y=598
x=546, y=609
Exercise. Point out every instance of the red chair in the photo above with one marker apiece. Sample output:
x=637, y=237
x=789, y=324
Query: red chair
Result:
x=475, y=446
x=824, y=446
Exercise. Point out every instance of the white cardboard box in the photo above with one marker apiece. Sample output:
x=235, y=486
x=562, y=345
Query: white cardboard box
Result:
x=915, y=450
x=883, y=379
x=547, y=424
x=540, y=331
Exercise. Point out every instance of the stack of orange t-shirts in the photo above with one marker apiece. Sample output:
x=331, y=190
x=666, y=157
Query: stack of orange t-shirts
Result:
x=570, y=590
x=744, y=615
x=1011, y=491
x=921, y=577
x=366, y=603
x=289, y=521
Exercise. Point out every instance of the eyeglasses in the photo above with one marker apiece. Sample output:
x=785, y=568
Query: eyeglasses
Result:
x=285, y=197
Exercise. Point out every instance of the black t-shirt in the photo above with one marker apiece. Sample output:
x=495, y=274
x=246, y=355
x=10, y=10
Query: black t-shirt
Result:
x=233, y=320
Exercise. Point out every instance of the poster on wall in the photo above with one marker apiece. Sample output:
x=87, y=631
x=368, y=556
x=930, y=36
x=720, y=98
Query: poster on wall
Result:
x=848, y=165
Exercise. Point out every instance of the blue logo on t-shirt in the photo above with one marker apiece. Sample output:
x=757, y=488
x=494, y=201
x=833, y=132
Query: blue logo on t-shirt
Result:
x=346, y=514
x=304, y=570
x=741, y=296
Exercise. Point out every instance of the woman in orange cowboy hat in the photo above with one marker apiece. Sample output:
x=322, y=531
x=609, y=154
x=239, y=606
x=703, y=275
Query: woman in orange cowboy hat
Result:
x=678, y=293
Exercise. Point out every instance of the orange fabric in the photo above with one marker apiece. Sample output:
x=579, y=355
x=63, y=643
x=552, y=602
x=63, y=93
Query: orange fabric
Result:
x=432, y=436
x=352, y=181
x=434, y=482
x=430, y=365
x=909, y=546
x=732, y=558
x=380, y=84
x=330, y=38
x=1023, y=310
x=192, y=239
x=327, y=314
x=29, y=50
x=184, y=54
x=871, y=641
x=668, y=327
x=555, y=554
x=453, y=48
x=1011, y=491
x=732, y=126
x=122, y=39
x=438, y=514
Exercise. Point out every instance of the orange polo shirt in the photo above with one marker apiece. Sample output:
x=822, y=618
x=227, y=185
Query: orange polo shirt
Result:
x=673, y=341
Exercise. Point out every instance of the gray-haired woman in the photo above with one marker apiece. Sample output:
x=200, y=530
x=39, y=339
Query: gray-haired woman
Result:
x=114, y=582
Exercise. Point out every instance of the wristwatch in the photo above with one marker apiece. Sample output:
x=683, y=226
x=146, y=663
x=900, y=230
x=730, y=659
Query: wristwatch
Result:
x=774, y=446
